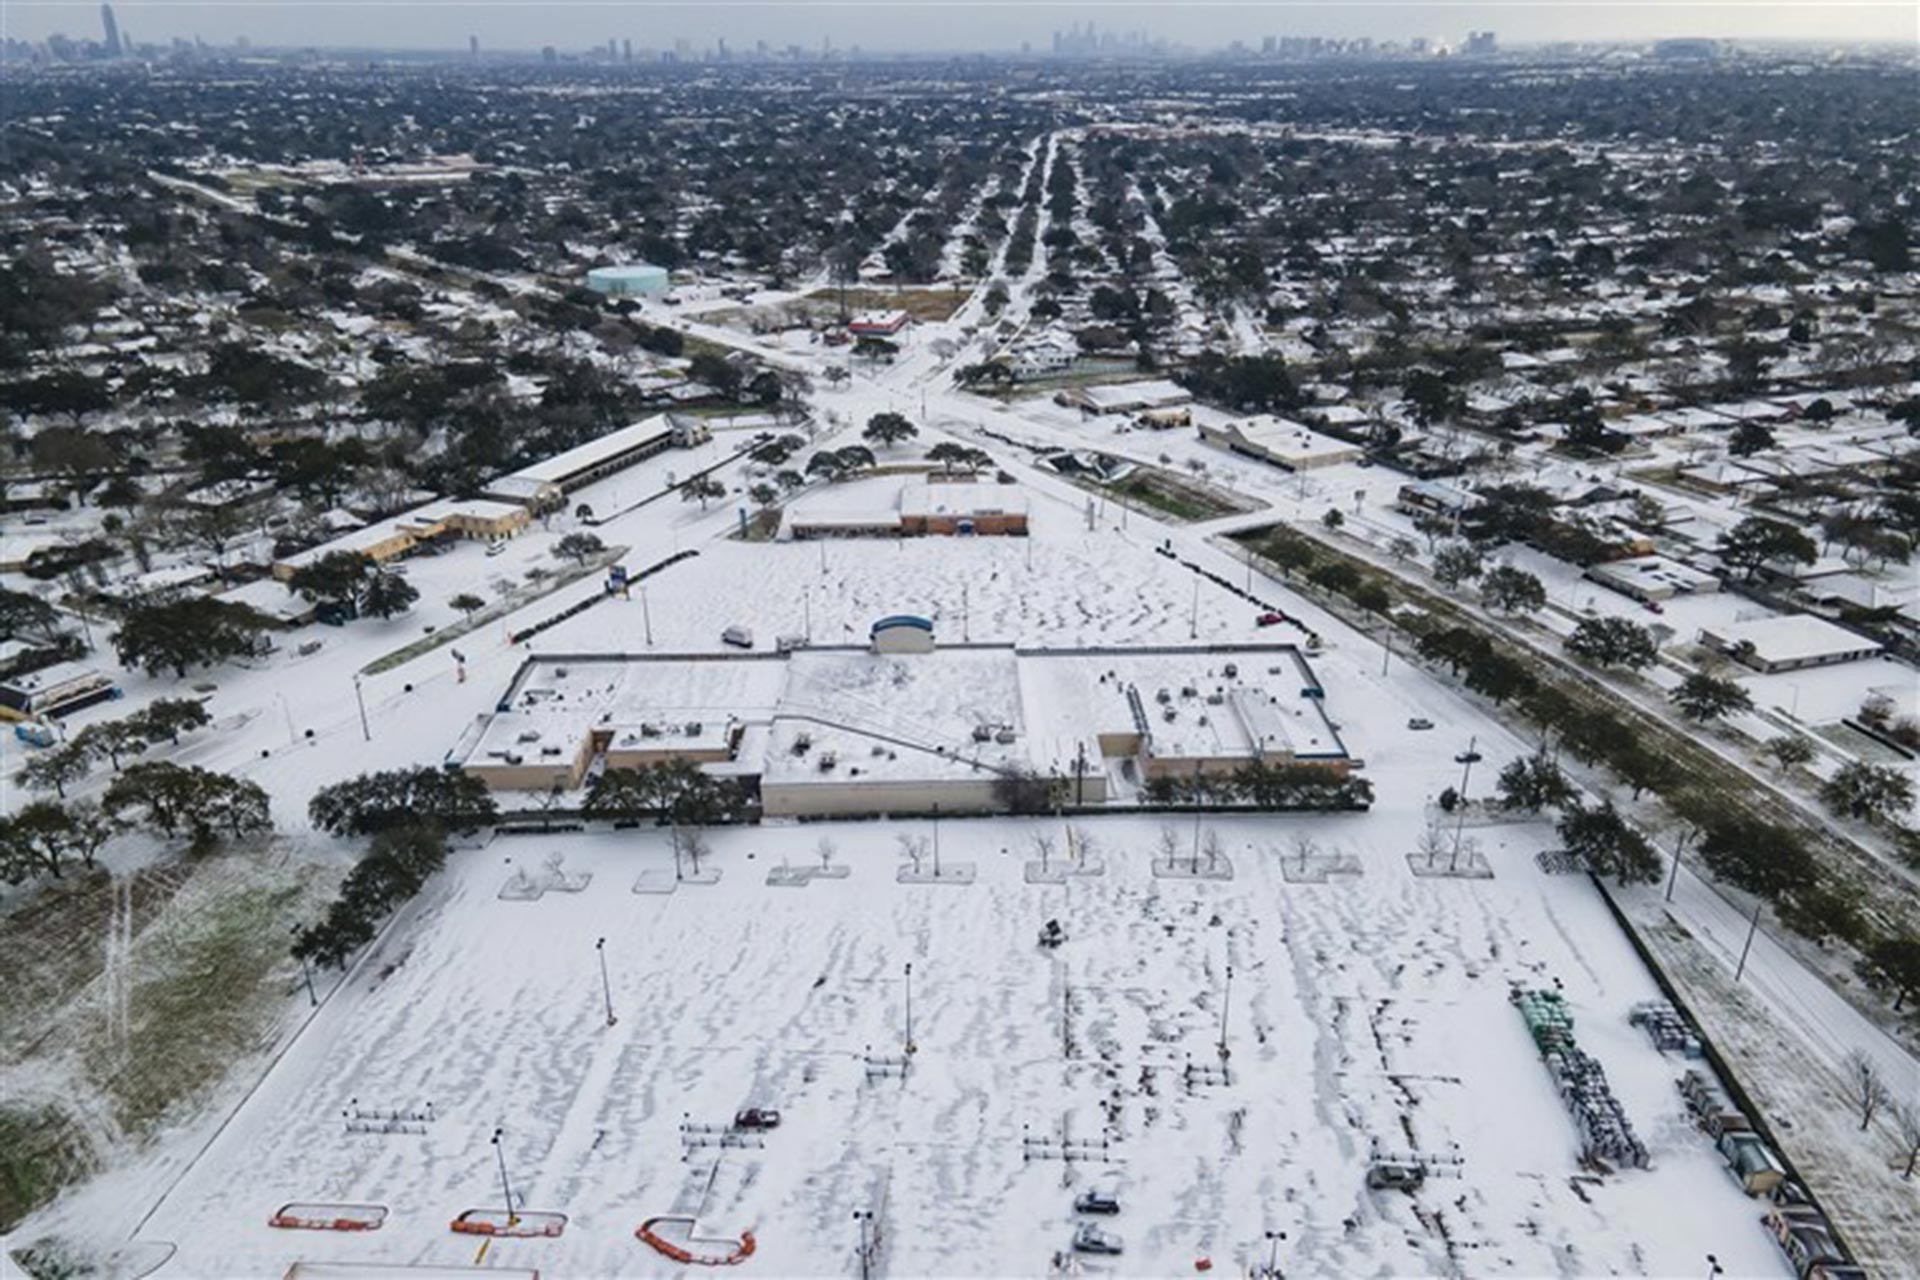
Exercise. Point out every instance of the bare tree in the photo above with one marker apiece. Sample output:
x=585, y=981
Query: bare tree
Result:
x=1042, y=848
x=1433, y=842
x=1085, y=846
x=913, y=848
x=825, y=850
x=1862, y=1087
x=1304, y=848
x=691, y=842
x=1906, y=1123
x=1211, y=846
x=1169, y=845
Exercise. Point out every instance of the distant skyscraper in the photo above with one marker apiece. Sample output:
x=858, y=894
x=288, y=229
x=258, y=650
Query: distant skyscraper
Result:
x=1482, y=42
x=111, y=30
x=626, y=51
x=473, y=46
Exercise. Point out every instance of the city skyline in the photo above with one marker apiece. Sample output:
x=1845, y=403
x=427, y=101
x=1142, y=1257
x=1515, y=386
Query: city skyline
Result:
x=989, y=26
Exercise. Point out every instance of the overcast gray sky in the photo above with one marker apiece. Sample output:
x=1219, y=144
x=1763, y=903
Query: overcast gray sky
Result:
x=930, y=25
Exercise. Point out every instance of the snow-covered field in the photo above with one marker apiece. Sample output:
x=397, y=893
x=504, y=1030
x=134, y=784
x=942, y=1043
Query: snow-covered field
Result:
x=1363, y=1011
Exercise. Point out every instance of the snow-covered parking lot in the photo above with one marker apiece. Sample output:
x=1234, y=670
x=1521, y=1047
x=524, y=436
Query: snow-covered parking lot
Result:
x=1367, y=1014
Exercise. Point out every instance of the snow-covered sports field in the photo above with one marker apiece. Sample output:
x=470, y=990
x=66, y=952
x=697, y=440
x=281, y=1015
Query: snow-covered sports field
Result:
x=1367, y=1011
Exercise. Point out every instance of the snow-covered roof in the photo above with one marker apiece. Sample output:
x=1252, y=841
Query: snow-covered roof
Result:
x=1793, y=637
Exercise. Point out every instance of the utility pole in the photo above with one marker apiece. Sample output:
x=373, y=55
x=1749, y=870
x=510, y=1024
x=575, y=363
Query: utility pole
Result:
x=306, y=971
x=936, y=842
x=1467, y=772
x=1753, y=927
x=1674, y=874
x=1386, y=656
x=646, y=617
x=365, y=732
x=1193, y=618
x=806, y=603
x=606, y=987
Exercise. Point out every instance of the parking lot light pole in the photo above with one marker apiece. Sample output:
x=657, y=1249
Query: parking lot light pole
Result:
x=1226, y=998
x=361, y=698
x=606, y=987
x=506, y=1188
x=1273, y=1253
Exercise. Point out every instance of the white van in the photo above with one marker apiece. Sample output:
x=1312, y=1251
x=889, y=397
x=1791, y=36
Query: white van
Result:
x=738, y=636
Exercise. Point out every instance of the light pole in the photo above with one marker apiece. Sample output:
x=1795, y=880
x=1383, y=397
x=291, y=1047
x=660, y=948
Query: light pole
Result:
x=909, y=1044
x=646, y=617
x=506, y=1188
x=1273, y=1253
x=1468, y=758
x=365, y=733
x=1714, y=1268
x=863, y=1217
x=1226, y=998
x=606, y=987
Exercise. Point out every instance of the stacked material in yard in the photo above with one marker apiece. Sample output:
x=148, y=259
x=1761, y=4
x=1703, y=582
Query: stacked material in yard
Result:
x=1665, y=1027
x=1605, y=1132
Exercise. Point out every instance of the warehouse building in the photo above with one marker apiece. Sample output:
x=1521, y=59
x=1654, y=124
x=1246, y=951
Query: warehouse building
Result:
x=542, y=486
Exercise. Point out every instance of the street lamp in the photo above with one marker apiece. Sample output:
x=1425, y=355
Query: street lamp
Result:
x=863, y=1217
x=1714, y=1268
x=1273, y=1253
x=910, y=1044
x=506, y=1188
x=1226, y=997
x=606, y=987
x=365, y=732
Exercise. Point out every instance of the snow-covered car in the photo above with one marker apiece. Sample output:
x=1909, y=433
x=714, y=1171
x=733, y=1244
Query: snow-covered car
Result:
x=756, y=1118
x=1419, y=722
x=1052, y=935
x=738, y=636
x=1095, y=1202
x=1091, y=1239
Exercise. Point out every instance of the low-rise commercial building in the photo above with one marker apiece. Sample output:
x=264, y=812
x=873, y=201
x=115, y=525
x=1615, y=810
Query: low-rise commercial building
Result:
x=1788, y=642
x=900, y=726
x=1287, y=444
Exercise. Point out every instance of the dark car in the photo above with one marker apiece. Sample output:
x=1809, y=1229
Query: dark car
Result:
x=1269, y=620
x=757, y=1118
x=1095, y=1202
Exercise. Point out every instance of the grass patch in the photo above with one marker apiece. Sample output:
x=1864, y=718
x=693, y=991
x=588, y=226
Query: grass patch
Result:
x=131, y=998
x=1168, y=494
x=41, y=1150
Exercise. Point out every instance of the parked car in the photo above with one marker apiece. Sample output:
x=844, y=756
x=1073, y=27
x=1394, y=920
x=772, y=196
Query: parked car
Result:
x=1091, y=1239
x=738, y=636
x=496, y=548
x=1269, y=620
x=1419, y=722
x=1468, y=757
x=756, y=1118
x=1095, y=1202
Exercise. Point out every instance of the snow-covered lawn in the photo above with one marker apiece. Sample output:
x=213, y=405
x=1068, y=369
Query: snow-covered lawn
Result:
x=1363, y=1011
